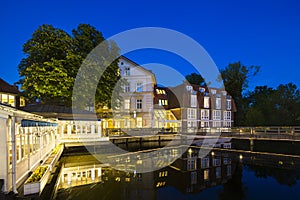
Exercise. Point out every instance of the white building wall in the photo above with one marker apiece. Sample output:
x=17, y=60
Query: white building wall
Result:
x=3, y=149
x=136, y=75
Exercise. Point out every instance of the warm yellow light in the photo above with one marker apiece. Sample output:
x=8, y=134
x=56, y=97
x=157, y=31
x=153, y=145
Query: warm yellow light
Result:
x=212, y=153
x=241, y=156
x=127, y=179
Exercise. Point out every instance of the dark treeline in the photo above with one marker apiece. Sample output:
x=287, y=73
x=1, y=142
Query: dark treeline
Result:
x=265, y=106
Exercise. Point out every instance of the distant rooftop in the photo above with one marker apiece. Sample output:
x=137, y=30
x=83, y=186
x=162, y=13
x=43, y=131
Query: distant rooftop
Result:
x=60, y=112
x=7, y=88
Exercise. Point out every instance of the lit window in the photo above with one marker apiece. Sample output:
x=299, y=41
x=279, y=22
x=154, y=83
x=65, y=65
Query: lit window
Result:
x=139, y=87
x=228, y=107
x=126, y=104
x=4, y=98
x=227, y=124
x=127, y=71
x=216, y=115
x=159, y=91
x=206, y=174
x=218, y=103
x=139, y=104
x=227, y=115
x=139, y=122
x=205, y=124
x=217, y=124
x=191, y=113
x=11, y=100
x=193, y=100
x=204, y=114
x=163, y=174
x=192, y=124
x=22, y=102
x=162, y=102
x=206, y=102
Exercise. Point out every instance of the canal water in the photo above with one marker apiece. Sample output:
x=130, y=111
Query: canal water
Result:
x=223, y=174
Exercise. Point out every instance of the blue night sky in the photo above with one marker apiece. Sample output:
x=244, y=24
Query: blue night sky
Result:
x=264, y=33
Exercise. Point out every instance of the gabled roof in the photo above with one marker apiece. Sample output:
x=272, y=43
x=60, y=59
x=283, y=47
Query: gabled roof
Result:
x=7, y=88
x=140, y=67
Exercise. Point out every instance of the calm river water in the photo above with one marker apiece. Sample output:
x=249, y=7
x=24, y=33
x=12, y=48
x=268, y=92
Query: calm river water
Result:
x=222, y=174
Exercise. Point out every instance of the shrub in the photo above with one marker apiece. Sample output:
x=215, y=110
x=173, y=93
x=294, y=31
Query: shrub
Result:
x=37, y=174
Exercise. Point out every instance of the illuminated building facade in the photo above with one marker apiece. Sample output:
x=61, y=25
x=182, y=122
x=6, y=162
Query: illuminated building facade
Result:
x=137, y=106
x=10, y=95
x=201, y=109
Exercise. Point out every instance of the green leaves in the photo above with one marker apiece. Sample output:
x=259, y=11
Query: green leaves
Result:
x=53, y=59
x=37, y=174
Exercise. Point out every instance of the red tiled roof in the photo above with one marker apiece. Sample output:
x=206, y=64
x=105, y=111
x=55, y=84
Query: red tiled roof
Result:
x=7, y=88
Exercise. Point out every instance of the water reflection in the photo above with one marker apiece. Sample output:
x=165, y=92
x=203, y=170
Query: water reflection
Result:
x=219, y=175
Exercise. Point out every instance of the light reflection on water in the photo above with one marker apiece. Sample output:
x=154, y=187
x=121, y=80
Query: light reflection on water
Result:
x=220, y=175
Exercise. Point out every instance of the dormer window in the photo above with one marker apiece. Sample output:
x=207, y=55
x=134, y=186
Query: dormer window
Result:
x=8, y=99
x=162, y=102
x=206, y=102
x=193, y=100
x=160, y=91
x=189, y=88
x=218, y=103
x=228, y=104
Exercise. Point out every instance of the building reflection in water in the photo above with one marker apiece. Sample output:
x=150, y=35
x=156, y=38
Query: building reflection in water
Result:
x=188, y=174
x=80, y=175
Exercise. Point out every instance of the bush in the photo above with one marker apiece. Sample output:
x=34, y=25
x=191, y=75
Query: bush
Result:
x=56, y=149
x=37, y=174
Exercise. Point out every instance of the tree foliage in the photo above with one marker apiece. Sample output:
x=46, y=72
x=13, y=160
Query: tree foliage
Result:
x=195, y=78
x=53, y=58
x=268, y=106
x=236, y=78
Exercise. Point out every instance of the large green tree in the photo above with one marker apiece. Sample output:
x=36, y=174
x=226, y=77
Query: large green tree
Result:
x=53, y=58
x=236, y=77
x=86, y=39
x=45, y=70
